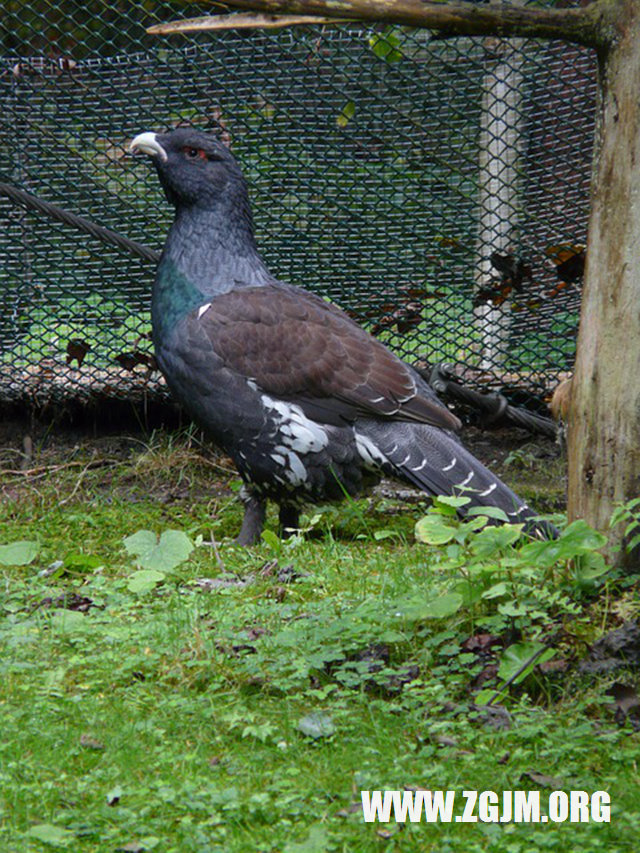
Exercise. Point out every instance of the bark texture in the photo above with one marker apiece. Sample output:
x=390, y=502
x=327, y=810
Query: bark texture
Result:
x=604, y=436
x=579, y=25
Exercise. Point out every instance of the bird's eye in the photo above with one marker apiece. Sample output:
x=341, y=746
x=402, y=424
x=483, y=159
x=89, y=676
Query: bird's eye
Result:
x=193, y=153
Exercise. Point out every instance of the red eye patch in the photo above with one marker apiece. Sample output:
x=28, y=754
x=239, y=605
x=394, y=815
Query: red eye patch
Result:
x=192, y=153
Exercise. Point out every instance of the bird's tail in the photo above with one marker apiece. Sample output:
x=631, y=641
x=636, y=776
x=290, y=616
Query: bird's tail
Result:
x=436, y=462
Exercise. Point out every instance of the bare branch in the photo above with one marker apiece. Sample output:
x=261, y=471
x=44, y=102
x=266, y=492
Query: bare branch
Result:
x=239, y=21
x=577, y=25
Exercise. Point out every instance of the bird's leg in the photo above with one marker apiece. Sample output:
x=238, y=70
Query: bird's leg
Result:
x=289, y=520
x=253, y=521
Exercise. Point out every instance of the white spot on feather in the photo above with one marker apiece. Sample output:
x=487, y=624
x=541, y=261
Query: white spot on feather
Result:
x=293, y=469
x=519, y=510
x=450, y=465
x=465, y=481
x=296, y=473
x=371, y=455
x=294, y=429
x=203, y=310
x=489, y=490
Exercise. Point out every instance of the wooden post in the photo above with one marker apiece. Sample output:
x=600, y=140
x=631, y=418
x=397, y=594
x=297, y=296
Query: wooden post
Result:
x=604, y=431
x=499, y=202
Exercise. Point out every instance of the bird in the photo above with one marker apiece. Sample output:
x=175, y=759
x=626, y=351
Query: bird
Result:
x=310, y=406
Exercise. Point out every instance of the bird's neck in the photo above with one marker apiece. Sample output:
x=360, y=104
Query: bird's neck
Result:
x=207, y=253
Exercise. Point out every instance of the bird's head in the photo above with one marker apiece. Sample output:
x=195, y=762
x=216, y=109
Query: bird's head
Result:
x=194, y=168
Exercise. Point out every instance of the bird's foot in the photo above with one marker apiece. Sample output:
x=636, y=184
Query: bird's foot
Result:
x=253, y=521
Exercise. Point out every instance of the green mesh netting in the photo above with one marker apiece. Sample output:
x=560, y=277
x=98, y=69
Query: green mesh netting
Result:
x=436, y=189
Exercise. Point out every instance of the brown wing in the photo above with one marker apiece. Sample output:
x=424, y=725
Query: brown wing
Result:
x=297, y=347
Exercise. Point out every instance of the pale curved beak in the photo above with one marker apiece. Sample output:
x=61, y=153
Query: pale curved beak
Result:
x=147, y=143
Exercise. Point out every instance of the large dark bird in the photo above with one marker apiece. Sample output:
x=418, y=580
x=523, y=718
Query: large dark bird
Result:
x=309, y=406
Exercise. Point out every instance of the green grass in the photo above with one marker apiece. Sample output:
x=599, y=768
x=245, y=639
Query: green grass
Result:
x=170, y=720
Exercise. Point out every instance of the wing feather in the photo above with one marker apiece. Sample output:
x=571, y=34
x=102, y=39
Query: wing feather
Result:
x=297, y=347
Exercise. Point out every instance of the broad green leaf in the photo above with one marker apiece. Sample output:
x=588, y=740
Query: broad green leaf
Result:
x=78, y=562
x=493, y=539
x=452, y=500
x=581, y=537
x=486, y=695
x=54, y=836
x=471, y=525
x=624, y=512
x=272, y=540
x=576, y=539
x=381, y=535
x=346, y=115
x=434, y=530
x=416, y=609
x=145, y=580
x=142, y=845
x=69, y=622
x=316, y=725
x=496, y=591
x=489, y=512
x=469, y=591
x=316, y=842
x=589, y=567
x=448, y=505
x=516, y=655
x=512, y=609
x=159, y=554
x=385, y=45
x=18, y=553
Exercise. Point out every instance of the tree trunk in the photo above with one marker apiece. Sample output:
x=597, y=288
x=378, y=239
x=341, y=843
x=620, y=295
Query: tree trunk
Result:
x=604, y=438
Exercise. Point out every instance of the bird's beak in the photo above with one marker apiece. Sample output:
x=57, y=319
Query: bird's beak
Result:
x=148, y=143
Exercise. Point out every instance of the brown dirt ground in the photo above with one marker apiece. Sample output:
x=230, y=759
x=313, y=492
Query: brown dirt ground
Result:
x=533, y=466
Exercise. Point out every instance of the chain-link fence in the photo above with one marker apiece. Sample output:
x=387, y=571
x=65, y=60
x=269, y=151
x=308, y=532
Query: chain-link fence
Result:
x=435, y=188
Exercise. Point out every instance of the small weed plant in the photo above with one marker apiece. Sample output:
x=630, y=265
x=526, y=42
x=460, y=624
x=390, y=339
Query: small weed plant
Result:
x=163, y=689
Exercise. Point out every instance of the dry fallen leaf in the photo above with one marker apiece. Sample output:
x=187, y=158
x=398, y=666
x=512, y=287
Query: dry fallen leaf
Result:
x=543, y=780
